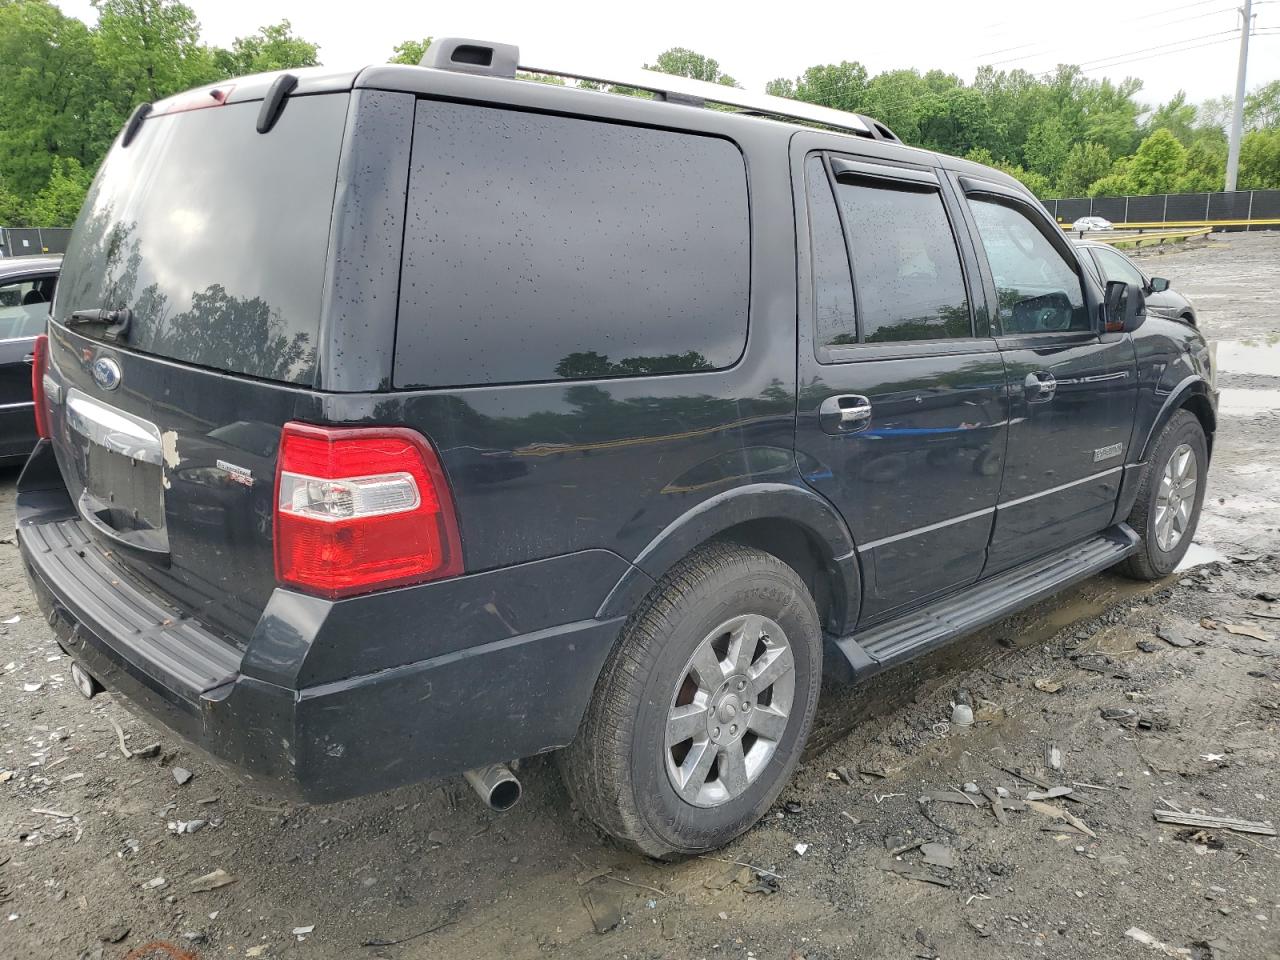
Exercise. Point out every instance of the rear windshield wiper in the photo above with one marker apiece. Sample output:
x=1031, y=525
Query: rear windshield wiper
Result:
x=117, y=321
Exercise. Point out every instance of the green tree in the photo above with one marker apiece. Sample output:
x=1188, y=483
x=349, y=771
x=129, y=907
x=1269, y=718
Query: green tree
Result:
x=1157, y=165
x=51, y=94
x=149, y=49
x=59, y=202
x=841, y=86
x=1048, y=144
x=12, y=213
x=1262, y=107
x=683, y=62
x=1177, y=116
x=273, y=47
x=410, y=52
x=1085, y=164
x=1260, y=160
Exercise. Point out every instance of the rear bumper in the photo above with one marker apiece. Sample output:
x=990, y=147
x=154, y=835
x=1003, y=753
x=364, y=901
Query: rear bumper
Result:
x=317, y=742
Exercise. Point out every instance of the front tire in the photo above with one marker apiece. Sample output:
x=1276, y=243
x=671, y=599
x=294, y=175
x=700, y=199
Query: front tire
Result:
x=1170, y=496
x=703, y=708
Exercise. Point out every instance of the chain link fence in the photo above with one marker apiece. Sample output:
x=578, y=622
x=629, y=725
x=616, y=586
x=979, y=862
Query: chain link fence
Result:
x=23, y=241
x=1238, y=210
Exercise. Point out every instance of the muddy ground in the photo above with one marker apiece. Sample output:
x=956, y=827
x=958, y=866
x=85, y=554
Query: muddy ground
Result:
x=90, y=867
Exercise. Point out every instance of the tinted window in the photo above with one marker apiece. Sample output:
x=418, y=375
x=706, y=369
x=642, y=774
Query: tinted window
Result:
x=906, y=269
x=1038, y=290
x=832, y=289
x=1117, y=267
x=215, y=236
x=24, y=307
x=541, y=248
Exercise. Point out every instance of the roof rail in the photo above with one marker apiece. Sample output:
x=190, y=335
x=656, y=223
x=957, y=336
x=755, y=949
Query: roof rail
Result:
x=498, y=59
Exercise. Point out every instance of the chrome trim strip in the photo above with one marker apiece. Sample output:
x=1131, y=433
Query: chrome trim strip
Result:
x=1060, y=487
x=114, y=429
x=15, y=406
x=926, y=529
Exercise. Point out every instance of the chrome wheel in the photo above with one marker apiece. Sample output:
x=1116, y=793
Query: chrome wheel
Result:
x=1176, y=498
x=729, y=710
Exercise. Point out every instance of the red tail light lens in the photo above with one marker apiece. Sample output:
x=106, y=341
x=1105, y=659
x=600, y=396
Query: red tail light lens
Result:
x=361, y=509
x=39, y=363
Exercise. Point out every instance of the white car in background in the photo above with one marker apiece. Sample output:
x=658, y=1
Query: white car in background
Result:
x=1092, y=223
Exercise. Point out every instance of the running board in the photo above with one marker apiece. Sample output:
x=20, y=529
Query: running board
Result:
x=915, y=633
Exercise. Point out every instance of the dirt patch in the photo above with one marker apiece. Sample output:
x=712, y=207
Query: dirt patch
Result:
x=112, y=856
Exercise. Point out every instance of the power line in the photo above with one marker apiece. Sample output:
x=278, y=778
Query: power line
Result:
x=1185, y=6
x=1166, y=53
x=1103, y=61
x=1051, y=50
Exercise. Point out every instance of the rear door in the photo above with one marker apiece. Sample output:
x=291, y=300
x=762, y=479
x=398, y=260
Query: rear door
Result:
x=1072, y=389
x=902, y=406
x=214, y=238
x=24, y=313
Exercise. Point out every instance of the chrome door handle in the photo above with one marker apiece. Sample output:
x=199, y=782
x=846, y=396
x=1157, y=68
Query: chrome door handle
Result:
x=846, y=413
x=1040, y=386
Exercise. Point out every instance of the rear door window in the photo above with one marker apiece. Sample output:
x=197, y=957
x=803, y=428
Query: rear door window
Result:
x=215, y=236
x=541, y=247
x=907, y=280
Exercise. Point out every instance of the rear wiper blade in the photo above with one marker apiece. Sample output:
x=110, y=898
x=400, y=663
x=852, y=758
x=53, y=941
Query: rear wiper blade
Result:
x=117, y=321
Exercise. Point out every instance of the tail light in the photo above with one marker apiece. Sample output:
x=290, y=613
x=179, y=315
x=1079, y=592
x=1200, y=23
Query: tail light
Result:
x=39, y=362
x=361, y=509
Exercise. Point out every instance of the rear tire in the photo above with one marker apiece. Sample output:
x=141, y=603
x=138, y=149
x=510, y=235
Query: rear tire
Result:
x=701, y=711
x=1167, y=510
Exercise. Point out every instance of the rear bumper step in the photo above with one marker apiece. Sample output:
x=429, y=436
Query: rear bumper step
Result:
x=936, y=624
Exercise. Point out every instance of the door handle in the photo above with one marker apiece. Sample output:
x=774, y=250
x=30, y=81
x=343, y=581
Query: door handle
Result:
x=1040, y=386
x=847, y=413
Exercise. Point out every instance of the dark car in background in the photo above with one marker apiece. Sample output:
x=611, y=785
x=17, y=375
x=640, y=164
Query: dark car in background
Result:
x=26, y=294
x=525, y=418
x=1107, y=264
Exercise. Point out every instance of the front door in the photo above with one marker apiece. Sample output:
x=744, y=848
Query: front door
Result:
x=902, y=403
x=1072, y=388
x=24, y=313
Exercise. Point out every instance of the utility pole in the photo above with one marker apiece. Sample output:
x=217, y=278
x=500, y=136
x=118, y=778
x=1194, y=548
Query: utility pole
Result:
x=1237, y=113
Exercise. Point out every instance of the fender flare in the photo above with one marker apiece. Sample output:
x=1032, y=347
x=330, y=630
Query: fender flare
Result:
x=755, y=501
x=1193, y=385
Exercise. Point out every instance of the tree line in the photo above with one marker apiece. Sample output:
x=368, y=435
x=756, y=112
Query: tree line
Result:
x=66, y=89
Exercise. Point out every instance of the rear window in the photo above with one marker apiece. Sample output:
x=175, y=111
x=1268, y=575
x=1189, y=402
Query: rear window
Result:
x=215, y=236
x=541, y=247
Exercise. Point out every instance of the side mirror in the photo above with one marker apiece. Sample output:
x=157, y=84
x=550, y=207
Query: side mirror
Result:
x=1159, y=284
x=1124, y=308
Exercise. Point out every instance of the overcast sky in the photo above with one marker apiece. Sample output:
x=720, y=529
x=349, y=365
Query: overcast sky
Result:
x=1184, y=45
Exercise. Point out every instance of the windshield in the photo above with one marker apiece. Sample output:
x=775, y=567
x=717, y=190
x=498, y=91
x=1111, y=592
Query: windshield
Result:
x=214, y=236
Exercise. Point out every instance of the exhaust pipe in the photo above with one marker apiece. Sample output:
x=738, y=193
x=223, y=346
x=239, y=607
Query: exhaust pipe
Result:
x=85, y=683
x=496, y=785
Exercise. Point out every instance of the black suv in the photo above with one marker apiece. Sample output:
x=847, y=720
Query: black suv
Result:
x=415, y=420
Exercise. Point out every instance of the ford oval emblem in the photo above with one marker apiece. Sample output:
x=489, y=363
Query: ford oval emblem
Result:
x=106, y=373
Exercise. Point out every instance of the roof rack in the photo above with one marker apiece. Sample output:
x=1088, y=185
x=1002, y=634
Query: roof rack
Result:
x=500, y=59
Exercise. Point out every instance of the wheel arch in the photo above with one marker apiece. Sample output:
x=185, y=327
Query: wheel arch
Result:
x=1193, y=394
x=793, y=523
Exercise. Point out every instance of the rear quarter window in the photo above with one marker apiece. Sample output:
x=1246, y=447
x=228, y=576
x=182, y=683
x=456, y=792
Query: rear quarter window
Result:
x=541, y=247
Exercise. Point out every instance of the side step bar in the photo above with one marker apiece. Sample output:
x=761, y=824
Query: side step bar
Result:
x=907, y=637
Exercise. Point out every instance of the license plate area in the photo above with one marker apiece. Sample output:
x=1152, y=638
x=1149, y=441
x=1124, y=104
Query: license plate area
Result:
x=121, y=468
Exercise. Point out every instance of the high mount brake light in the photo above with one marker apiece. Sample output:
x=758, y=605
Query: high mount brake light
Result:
x=360, y=509
x=39, y=364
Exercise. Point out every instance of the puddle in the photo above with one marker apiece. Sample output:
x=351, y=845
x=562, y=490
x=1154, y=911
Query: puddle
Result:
x=1238, y=360
x=1256, y=356
x=1198, y=555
